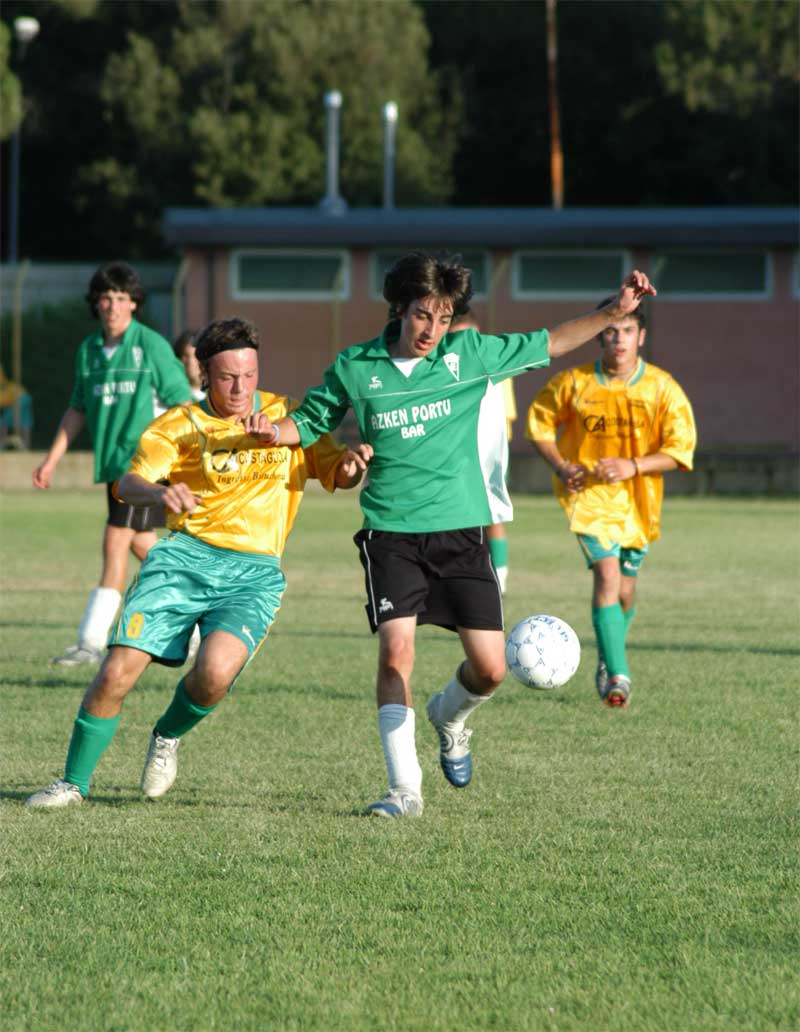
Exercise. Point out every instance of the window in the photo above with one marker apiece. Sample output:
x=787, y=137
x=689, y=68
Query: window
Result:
x=593, y=274
x=712, y=274
x=305, y=275
x=477, y=261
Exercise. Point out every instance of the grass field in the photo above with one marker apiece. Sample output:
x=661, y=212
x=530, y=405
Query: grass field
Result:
x=627, y=871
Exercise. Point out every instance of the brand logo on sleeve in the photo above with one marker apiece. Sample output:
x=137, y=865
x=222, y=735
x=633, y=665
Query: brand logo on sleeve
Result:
x=375, y=384
x=452, y=363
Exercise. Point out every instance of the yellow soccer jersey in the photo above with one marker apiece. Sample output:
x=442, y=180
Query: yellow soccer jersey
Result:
x=598, y=417
x=249, y=492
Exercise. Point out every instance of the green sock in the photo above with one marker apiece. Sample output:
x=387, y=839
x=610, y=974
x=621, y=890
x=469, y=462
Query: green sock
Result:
x=609, y=627
x=629, y=619
x=90, y=737
x=181, y=715
x=498, y=548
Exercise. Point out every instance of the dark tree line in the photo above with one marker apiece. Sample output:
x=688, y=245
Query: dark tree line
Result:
x=133, y=106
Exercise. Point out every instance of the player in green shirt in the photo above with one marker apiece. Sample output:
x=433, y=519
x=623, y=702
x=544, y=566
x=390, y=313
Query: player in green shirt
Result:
x=417, y=392
x=121, y=370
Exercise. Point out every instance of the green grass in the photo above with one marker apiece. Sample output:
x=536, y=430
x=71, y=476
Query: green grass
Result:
x=622, y=871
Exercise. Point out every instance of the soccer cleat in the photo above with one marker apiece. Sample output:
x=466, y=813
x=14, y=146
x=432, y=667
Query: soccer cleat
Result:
x=54, y=797
x=160, y=767
x=601, y=678
x=76, y=655
x=454, y=754
x=397, y=803
x=618, y=691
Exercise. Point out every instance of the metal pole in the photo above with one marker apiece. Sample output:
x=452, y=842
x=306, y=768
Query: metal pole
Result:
x=389, y=128
x=332, y=203
x=556, y=154
x=13, y=197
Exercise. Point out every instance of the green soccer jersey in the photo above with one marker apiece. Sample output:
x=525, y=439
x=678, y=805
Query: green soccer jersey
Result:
x=117, y=394
x=436, y=442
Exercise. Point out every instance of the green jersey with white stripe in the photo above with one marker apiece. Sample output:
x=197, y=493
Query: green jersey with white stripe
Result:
x=436, y=443
x=117, y=393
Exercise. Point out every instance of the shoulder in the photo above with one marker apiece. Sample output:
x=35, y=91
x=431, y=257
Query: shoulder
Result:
x=149, y=338
x=276, y=406
x=658, y=375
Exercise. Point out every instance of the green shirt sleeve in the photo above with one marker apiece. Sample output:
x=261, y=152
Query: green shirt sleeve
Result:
x=323, y=408
x=169, y=376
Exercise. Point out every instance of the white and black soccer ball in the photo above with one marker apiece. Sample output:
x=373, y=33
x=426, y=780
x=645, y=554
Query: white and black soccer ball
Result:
x=543, y=652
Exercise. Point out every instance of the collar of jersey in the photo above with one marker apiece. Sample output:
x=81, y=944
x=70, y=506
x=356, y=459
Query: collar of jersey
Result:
x=606, y=381
x=98, y=340
x=205, y=405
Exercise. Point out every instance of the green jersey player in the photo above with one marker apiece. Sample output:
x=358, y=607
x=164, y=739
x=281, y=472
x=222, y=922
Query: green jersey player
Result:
x=417, y=392
x=121, y=371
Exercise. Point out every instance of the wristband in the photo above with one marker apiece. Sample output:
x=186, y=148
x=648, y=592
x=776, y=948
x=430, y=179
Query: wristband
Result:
x=277, y=436
x=636, y=465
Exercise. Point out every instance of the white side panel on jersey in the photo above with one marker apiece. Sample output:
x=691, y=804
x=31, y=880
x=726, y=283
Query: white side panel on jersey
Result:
x=493, y=453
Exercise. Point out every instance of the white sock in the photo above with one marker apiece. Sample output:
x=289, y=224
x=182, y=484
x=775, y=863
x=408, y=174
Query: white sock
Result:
x=100, y=612
x=456, y=703
x=396, y=726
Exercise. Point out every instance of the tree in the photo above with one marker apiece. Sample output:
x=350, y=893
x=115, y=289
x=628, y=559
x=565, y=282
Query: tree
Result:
x=227, y=109
x=10, y=91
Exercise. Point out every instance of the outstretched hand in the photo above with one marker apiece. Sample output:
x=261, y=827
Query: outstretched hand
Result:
x=634, y=287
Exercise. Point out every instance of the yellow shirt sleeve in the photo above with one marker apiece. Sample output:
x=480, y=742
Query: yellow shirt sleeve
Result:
x=551, y=408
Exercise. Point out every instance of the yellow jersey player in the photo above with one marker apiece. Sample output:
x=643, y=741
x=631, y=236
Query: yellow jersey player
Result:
x=610, y=429
x=230, y=503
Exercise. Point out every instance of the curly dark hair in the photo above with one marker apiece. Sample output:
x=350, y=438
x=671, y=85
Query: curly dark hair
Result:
x=225, y=335
x=115, y=276
x=420, y=274
x=182, y=341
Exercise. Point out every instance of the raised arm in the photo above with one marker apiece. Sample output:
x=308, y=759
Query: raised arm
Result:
x=570, y=335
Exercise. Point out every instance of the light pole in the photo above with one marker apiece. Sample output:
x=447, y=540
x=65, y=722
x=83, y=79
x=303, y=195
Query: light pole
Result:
x=26, y=30
x=389, y=127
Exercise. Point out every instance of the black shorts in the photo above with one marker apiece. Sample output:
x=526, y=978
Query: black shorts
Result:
x=445, y=578
x=120, y=514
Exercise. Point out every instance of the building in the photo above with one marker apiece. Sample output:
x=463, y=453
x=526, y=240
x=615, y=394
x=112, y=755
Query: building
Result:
x=725, y=321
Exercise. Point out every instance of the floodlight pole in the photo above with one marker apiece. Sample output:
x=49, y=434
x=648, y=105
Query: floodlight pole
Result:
x=25, y=30
x=332, y=203
x=389, y=130
x=556, y=154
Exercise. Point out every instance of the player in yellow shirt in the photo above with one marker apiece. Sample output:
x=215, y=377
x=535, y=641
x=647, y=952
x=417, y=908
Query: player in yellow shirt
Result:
x=610, y=429
x=231, y=502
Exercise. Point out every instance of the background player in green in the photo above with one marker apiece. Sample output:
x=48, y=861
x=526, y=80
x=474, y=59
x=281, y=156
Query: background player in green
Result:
x=120, y=371
x=417, y=392
x=610, y=429
x=232, y=504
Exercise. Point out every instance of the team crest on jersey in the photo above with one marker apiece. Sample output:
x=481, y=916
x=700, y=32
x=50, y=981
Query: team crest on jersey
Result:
x=452, y=363
x=138, y=355
x=375, y=384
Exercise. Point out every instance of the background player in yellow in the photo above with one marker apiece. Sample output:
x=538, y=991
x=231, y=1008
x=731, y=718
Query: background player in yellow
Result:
x=231, y=503
x=610, y=429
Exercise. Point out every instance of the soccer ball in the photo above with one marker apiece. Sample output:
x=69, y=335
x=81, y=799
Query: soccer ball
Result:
x=543, y=652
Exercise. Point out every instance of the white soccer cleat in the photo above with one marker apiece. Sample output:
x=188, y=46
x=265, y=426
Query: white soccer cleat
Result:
x=160, y=767
x=397, y=803
x=76, y=655
x=55, y=797
x=454, y=753
x=618, y=691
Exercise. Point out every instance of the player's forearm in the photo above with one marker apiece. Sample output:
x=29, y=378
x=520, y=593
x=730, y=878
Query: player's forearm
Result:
x=550, y=453
x=68, y=429
x=572, y=334
x=287, y=430
x=135, y=490
x=658, y=462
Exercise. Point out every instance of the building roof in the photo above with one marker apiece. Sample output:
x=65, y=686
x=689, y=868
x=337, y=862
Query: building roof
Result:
x=481, y=227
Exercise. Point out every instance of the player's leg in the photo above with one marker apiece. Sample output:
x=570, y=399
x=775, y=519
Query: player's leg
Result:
x=104, y=600
x=94, y=727
x=498, y=548
x=396, y=719
x=235, y=601
x=608, y=620
x=141, y=543
x=396, y=586
x=465, y=597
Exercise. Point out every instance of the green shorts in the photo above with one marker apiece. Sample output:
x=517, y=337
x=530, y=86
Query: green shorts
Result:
x=630, y=559
x=184, y=582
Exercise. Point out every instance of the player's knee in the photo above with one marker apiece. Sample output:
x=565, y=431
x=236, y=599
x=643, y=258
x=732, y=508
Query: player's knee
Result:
x=114, y=679
x=396, y=656
x=485, y=675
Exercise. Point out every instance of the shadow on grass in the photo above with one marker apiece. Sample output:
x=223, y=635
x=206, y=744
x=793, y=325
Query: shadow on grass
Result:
x=755, y=650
